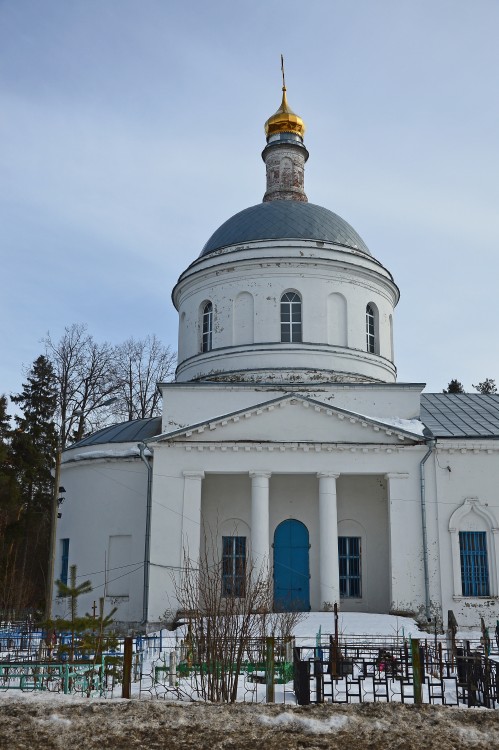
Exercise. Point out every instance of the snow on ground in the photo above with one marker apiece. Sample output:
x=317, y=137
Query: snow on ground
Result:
x=349, y=623
x=357, y=623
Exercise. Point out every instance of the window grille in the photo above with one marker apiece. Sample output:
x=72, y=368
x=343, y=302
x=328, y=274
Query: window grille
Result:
x=234, y=566
x=291, y=317
x=64, y=561
x=349, y=557
x=370, y=330
x=474, y=563
x=207, y=342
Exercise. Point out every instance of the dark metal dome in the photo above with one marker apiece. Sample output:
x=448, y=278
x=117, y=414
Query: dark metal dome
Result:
x=279, y=220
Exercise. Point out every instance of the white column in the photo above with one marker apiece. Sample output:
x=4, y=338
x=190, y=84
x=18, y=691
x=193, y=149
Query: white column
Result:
x=191, y=515
x=260, y=526
x=328, y=540
x=404, y=522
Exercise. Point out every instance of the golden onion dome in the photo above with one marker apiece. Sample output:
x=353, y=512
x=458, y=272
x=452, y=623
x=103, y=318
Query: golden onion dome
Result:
x=284, y=120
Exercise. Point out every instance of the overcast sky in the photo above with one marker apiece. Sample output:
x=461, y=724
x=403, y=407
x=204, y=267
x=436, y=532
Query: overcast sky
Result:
x=131, y=129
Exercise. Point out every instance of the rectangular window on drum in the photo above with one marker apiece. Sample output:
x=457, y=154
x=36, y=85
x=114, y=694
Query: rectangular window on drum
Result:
x=474, y=563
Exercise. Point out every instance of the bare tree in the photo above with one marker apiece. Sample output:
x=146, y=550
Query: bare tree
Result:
x=89, y=373
x=83, y=371
x=486, y=387
x=138, y=366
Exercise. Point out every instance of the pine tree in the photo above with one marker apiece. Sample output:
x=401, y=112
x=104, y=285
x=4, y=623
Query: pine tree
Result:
x=486, y=387
x=9, y=513
x=454, y=387
x=33, y=449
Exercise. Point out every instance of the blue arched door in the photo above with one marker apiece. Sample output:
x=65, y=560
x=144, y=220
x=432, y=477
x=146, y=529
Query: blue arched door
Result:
x=291, y=567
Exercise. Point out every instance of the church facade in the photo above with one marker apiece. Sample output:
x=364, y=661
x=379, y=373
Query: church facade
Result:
x=285, y=442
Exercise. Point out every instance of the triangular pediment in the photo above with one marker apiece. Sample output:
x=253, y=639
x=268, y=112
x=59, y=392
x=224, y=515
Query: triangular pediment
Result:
x=294, y=418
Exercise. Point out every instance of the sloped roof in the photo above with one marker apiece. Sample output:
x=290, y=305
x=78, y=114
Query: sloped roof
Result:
x=125, y=432
x=447, y=415
x=461, y=414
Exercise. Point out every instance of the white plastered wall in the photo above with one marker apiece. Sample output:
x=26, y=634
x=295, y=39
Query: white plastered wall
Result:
x=468, y=471
x=103, y=498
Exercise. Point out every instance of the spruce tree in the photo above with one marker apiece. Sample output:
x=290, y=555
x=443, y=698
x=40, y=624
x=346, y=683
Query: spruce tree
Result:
x=33, y=450
x=9, y=514
x=454, y=387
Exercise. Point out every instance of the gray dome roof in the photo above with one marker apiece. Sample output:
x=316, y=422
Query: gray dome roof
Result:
x=278, y=220
x=124, y=432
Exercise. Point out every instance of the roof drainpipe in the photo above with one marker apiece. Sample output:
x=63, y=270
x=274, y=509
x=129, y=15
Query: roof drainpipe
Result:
x=430, y=442
x=147, y=548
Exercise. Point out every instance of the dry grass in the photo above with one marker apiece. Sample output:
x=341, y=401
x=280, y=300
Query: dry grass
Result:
x=57, y=723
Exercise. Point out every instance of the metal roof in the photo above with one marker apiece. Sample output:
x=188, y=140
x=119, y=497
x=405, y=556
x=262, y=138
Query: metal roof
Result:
x=124, y=432
x=461, y=414
x=447, y=415
x=278, y=220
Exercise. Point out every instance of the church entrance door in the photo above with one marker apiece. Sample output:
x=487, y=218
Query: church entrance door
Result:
x=291, y=567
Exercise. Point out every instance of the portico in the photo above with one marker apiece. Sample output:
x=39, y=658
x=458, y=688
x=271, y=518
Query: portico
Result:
x=253, y=505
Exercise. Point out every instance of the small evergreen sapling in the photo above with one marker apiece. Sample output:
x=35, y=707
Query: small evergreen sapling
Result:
x=89, y=635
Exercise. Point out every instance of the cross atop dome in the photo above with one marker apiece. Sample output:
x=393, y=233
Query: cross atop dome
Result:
x=284, y=120
x=285, y=153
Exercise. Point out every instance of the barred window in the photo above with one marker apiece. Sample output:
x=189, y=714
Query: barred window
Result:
x=234, y=566
x=474, y=563
x=349, y=558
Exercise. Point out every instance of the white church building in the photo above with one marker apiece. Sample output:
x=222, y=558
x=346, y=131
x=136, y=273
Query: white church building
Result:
x=286, y=439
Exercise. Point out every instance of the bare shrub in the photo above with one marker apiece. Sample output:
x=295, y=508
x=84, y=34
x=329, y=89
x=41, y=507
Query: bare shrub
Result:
x=220, y=624
x=228, y=617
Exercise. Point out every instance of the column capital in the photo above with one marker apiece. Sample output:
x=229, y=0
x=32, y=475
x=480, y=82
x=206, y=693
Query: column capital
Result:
x=397, y=475
x=327, y=475
x=257, y=473
x=193, y=474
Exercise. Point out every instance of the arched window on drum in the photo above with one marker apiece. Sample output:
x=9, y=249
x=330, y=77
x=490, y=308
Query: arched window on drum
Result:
x=207, y=327
x=291, y=318
x=372, y=335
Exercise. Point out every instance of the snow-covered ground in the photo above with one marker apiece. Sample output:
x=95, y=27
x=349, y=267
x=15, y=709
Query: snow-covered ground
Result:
x=358, y=624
